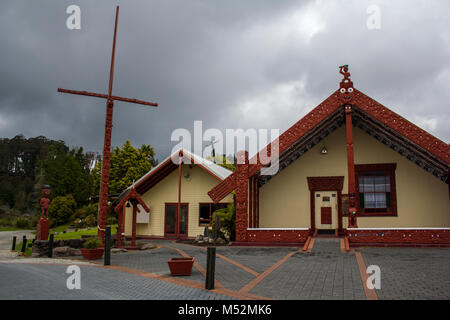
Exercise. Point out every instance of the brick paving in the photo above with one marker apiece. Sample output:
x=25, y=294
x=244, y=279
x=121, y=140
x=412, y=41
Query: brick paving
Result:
x=325, y=273
x=278, y=273
x=411, y=273
x=48, y=282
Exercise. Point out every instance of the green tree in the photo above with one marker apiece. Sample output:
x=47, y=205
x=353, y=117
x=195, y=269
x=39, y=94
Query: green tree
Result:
x=223, y=161
x=227, y=220
x=67, y=173
x=127, y=165
x=61, y=209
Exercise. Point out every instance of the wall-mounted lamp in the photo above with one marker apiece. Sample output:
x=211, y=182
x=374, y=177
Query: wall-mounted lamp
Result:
x=324, y=150
x=128, y=204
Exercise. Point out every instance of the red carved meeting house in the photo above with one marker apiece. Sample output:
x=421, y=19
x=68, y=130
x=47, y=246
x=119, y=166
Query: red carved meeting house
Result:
x=351, y=167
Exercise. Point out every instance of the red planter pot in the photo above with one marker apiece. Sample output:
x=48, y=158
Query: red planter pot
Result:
x=181, y=266
x=92, y=254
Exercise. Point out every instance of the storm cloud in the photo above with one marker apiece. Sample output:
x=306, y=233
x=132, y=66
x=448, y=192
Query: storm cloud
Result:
x=232, y=64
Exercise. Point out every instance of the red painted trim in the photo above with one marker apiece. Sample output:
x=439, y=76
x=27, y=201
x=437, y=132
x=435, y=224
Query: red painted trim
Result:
x=388, y=167
x=415, y=237
x=305, y=247
x=170, y=235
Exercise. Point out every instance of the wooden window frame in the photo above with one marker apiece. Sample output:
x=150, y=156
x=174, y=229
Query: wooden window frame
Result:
x=379, y=167
x=206, y=222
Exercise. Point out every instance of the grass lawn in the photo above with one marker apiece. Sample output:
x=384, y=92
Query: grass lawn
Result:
x=12, y=229
x=79, y=233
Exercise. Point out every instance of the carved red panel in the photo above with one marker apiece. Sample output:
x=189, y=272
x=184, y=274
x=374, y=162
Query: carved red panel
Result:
x=282, y=236
x=412, y=237
x=325, y=215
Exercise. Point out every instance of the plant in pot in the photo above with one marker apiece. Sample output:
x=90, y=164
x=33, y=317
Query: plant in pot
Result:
x=92, y=249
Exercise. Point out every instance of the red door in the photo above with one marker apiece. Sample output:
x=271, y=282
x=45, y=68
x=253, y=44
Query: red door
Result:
x=325, y=215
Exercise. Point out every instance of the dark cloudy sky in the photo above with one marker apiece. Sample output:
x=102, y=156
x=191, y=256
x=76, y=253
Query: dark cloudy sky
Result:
x=232, y=64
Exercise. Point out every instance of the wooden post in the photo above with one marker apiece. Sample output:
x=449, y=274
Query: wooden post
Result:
x=242, y=196
x=13, y=247
x=178, y=214
x=50, y=246
x=210, y=267
x=107, y=256
x=352, y=222
x=133, y=232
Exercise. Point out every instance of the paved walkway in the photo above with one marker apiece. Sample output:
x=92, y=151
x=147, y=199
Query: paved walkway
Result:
x=44, y=282
x=324, y=271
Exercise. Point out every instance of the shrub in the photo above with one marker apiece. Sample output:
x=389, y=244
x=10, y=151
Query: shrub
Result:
x=111, y=221
x=90, y=221
x=61, y=209
x=227, y=221
x=22, y=223
x=92, y=243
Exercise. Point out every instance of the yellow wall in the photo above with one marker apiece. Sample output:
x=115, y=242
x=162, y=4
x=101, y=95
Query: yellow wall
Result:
x=192, y=192
x=422, y=199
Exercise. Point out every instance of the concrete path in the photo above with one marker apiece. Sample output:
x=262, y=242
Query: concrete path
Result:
x=6, y=241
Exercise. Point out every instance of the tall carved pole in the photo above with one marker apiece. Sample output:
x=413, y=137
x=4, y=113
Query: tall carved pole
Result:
x=351, y=167
x=346, y=96
x=242, y=196
x=43, y=224
x=103, y=205
x=103, y=201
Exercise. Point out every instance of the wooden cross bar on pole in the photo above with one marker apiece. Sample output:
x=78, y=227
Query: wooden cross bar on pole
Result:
x=103, y=202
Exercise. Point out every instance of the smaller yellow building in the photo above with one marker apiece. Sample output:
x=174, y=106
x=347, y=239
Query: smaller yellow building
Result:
x=160, y=188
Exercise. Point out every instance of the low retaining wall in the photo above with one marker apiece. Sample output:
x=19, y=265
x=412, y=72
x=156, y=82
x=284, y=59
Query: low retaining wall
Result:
x=398, y=237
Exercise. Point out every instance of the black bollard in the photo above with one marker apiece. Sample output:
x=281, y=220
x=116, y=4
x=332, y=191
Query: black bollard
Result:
x=14, y=243
x=210, y=267
x=24, y=243
x=107, y=255
x=50, y=246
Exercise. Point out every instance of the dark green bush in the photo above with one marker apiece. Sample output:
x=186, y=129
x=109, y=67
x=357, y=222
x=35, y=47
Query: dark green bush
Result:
x=92, y=243
x=22, y=223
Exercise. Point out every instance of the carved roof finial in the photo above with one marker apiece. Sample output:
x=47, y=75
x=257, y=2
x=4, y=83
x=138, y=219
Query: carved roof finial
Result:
x=346, y=85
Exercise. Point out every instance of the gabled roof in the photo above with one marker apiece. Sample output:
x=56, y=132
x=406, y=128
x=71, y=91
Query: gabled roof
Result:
x=430, y=152
x=170, y=164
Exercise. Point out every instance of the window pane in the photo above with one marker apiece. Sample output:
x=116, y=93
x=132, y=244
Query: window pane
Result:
x=388, y=184
x=218, y=206
x=369, y=200
x=170, y=218
x=361, y=183
x=368, y=184
x=380, y=183
x=204, y=211
x=380, y=199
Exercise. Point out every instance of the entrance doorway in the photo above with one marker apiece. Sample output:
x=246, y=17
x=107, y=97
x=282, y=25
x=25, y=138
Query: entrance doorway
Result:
x=171, y=221
x=326, y=210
